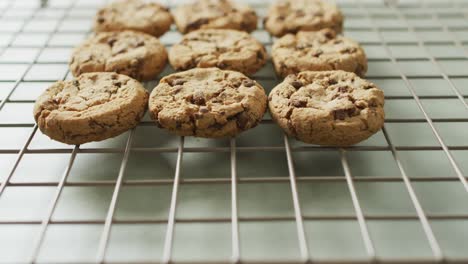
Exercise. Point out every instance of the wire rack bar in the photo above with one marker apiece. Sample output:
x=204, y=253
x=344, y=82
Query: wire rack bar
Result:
x=234, y=205
x=104, y=241
x=437, y=252
x=357, y=208
x=53, y=204
x=168, y=242
x=297, y=208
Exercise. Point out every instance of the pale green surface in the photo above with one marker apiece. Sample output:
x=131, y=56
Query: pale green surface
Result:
x=317, y=163
x=444, y=108
x=382, y=69
x=83, y=203
x=408, y=51
x=426, y=163
x=200, y=201
x=32, y=169
x=402, y=109
x=265, y=200
x=411, y=134
x=330, y=240
x=64, y=243
x=276, y=241
x=372, y=164
x=143, y=242
x=325, y=198
x=191, y=241
x=384, y=198
x=431, y=87
x=269, y=241
x=144, y=202
x=399, y=239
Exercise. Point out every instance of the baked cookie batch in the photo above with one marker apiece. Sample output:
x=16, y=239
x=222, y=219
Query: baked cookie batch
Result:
x=322, y=100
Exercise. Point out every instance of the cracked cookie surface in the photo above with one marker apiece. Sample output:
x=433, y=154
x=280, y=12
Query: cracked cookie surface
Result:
x=135, y=54
x=214, y=14
x=207, y=102
x=92, y=107
x=327, y=107
x=291, y=16
x=151, y=18
x=223, y=48
x=317, y=51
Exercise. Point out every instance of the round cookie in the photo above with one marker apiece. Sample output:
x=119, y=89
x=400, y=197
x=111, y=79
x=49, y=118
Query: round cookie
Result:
x=151, y=18
x=207, y=102
x=291, y=16
x=317, y=51
x=214, y=14
x=92, y=107
x=223, y=48
x=327, y=107
x=132, y=53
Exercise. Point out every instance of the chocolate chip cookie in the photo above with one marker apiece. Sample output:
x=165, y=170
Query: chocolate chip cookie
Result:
x=317, y=51
x=148, y=17
x=92, y=107
x=138, y=55
x=223, y=48
x=291, y=16
x=215, y=14
x=207, y=102
x=327, y=107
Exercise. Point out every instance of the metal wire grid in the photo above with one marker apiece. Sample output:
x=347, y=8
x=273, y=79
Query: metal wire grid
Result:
x=374, y=12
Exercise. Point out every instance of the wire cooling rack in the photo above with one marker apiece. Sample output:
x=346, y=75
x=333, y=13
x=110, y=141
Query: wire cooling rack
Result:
x=151, y=197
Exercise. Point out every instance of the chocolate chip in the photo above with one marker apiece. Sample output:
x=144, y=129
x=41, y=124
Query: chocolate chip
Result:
x=197, y=23
x=140, y=43
x=299, y=102
x=348, y=50
x=244, y=25
x=317, y=53
x=330, y=34
x=342, y=89
x=339, y=114
x=119, y=50
x=296, y=84
x=248, y=83
x=111, y=41
x=332, y=81
x=118, y=84
x=101, y=20
x=198, y=98
x=368, y=86
x=76, y=83
x=260, y=55
x=242, y=120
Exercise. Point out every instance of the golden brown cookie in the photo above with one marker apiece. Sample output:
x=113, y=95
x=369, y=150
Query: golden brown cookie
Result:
x=148, y=17
x=215, y=14
x=138, y=55
x=223, y=48
x=327, y=107
x=207, y=102
x=317, y=51
x=291, y=16
x=92, y=107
